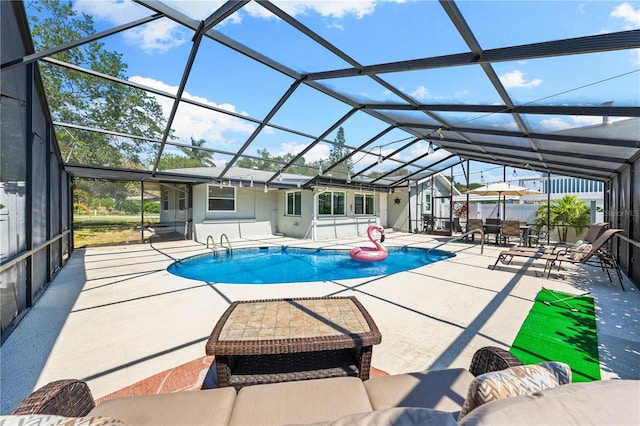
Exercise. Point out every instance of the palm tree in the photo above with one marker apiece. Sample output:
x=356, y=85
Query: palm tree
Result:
x=568, y=211
x=199, y=155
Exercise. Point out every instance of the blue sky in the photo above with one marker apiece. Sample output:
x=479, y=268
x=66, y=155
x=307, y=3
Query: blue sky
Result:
x=371, y=32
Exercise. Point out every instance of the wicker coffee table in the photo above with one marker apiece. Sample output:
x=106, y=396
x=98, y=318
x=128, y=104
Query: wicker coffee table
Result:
x=278, y=340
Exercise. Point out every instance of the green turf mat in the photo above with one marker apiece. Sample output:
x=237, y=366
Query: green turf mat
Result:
x=556, y=333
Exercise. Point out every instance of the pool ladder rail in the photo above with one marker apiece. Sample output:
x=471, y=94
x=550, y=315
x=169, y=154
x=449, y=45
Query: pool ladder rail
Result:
x=211, y=243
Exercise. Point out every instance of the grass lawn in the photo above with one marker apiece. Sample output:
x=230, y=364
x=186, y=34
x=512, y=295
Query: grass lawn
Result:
x=103, y=230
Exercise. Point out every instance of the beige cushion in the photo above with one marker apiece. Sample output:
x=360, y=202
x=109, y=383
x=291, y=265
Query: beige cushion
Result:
x=443, y=390
x=513, y=381
x=180, y=408
x=301, y=402
x=581, y=252
x=608, y=402
x=405, y=416
x=51, y=420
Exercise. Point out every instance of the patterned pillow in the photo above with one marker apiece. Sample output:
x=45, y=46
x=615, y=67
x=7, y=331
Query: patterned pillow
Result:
x=52, y=420
x=581, y=252
x=520, y=380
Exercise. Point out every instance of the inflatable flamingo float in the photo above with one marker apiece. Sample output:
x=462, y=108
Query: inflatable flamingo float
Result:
x=371, y=254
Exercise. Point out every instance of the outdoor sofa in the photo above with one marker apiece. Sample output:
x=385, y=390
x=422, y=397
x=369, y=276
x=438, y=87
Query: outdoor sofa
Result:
x=508, y=393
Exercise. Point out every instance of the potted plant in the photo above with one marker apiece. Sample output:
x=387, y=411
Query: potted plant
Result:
x=568, y=211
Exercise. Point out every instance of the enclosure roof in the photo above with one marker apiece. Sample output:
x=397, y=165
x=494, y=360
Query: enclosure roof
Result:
x=417, y=86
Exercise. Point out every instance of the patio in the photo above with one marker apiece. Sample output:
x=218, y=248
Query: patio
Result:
x=114, y=316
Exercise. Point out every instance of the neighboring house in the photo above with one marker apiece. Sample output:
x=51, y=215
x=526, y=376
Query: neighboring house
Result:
x=430, y=204
x=240, y=207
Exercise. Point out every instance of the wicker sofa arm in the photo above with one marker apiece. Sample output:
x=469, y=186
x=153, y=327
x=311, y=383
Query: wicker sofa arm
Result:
x=70, y=398
x=491, y=358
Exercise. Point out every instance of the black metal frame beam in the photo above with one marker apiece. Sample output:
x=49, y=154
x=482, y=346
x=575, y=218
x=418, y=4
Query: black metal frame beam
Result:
x=572, y=46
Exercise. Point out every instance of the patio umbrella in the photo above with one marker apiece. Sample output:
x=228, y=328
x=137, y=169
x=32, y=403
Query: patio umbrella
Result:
x=502, y=188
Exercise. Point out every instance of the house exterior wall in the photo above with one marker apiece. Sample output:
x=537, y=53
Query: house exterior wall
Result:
x=398, y=212
x=326, y=226
x=254, y=214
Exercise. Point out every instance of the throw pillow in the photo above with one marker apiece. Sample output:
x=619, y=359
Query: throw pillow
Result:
x=519, y=380
x=581, y=252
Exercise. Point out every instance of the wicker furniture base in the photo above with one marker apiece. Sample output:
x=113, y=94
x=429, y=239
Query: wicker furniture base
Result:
x=259, y=369
x=270, y=341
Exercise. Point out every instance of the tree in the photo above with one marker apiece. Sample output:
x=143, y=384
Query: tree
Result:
x=276, y=163
x=568, y=211
x=199, y=156
x=338, y=152
x=87, y=100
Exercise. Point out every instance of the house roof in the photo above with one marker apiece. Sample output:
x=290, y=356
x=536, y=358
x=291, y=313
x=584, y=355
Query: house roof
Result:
x=420, y=136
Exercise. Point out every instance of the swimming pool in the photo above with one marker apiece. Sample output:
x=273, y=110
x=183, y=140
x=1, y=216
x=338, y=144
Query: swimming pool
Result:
x=269, y=265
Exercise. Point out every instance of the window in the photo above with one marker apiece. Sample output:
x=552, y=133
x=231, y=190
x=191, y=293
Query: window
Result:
x=427, y=202
x=165, y=200
x=221, y=199
x=182, y=198
x=363, y=204
x=331, y=203
x=294, y=203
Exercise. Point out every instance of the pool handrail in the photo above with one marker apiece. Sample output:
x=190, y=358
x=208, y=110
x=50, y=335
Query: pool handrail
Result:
x=213, y=243
x=228, y=247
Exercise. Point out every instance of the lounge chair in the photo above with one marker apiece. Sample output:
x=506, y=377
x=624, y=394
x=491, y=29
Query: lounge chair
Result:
x=589, y=254
x=595, y=230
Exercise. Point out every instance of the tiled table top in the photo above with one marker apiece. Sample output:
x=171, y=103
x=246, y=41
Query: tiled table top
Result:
x=293, y=319
x=294, y=324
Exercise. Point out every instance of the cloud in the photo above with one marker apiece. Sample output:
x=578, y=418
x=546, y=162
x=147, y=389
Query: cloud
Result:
x=116, y=12
x=420, y=93
x=318, y=152
x=630, y=15
x=572, y=122
x=516, y=79
x=158, y=36
x=333, y=9
x=197, y=122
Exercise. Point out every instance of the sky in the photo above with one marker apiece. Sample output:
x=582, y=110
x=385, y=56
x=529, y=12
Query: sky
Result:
x=371, y=32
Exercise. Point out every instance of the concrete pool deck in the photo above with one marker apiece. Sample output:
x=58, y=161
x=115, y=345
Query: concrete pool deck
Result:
x=114, y=316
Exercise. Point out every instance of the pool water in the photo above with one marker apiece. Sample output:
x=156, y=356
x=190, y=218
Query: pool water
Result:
x=269, y=265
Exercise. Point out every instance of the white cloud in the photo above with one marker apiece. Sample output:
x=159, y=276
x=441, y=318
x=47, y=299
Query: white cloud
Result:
x=197, y=122
x=318, y=152
x=554, y=124
x=516, y=79
x=630, y=15
x=420, y=93
x=573, y=122
x=114, y=11
x=334, y=9
x=158, y=36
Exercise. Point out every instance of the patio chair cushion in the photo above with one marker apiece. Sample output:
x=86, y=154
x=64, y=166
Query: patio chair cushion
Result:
x=300, y=402
x=179, y=408
x=406, y=416
x=520, y=380
x=437, y=389
x=52, y=420
x=581, y=252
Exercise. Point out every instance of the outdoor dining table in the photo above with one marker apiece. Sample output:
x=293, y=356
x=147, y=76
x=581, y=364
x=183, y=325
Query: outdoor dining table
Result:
x=277, y=340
